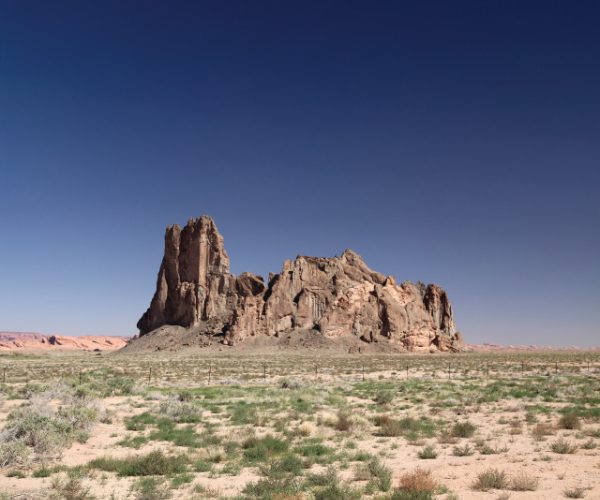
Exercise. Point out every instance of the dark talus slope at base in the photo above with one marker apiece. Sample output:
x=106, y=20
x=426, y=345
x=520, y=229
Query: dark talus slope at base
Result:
x=337, y=297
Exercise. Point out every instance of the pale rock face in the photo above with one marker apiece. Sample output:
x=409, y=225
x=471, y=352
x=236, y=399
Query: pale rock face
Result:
x=336, y=296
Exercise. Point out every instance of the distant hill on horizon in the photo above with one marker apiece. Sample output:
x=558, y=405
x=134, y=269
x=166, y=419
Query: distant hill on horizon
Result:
x=487, y=347
x=32, y=341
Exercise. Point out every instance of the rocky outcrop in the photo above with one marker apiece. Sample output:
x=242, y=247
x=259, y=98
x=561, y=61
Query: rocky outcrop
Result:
x=194, y=283
x=338, y=296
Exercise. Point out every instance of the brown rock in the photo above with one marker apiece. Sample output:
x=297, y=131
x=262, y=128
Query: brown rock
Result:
x=194, y=284
x=336, y=296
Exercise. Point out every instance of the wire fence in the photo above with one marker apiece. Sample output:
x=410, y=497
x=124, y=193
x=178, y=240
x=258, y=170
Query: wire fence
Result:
x=229, y=370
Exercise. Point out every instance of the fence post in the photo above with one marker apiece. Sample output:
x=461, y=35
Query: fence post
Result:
x=556, y=368
x=363, y=372
x=316, y=370
x=4, y=376
x=449, y=365
x=209, y=372
x=522, y=368
x=265, y=371
x=149, y=374
x=406, y=372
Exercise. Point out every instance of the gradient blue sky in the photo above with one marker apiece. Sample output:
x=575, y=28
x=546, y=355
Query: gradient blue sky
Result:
x=451, y=142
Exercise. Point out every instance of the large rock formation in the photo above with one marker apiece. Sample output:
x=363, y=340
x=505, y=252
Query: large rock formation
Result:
x=338, y=297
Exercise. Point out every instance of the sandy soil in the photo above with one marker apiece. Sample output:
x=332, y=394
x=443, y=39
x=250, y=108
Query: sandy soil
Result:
x=521, y=452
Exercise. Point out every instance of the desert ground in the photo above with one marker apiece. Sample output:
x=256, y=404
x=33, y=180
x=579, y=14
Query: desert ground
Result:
x=300, y=426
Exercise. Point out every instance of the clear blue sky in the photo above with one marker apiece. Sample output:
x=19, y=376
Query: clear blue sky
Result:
x=451, y=142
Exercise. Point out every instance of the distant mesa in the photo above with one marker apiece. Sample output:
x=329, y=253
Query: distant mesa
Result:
x=339, y=299
x=26, y=341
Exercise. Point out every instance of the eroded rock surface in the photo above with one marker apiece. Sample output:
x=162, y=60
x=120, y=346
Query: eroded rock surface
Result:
x=336, y=296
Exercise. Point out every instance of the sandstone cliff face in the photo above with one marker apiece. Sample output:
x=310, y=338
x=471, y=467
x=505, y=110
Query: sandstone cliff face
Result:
x=194, y=283
x=335, y=296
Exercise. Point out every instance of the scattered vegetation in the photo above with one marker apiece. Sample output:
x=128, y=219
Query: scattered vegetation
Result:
x=326, y=435
x=150, y=488
x=155, y=463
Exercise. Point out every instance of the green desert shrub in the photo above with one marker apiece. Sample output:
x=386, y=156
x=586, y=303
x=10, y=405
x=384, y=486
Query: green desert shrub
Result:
x=155, y=463
x=463, y=429
x=140, y=422
x=202, y=466
x=181, y=479
x=411, y=495
x=328, y=486
x=384, y=397
x=344, y=421
x=262, y=449
x=179, y=411
x=288, y=464
x=41, y=472
x=13, y=453
x=16, y=473
x=486, y=449
x=462, y=451
x=563, y=447
x=70, y=488
x=106, y=385
x=180, y=436
x=44, y=434
x=271, y=488
x=380, y=474
x=292, y=384
x=428, y=453
x=491, y=479
x=407, y=426
x=44, y=430
x=569, y=421
x=150, y=488
x=315, y=452
x=337, y=491
x=245, y=414
x=589, y=445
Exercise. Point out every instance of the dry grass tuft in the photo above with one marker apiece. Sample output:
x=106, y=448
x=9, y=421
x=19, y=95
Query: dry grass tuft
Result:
x=306, y=429
x=541, y=430
x=419, y=480
x=491, y=479
x=523, y=482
